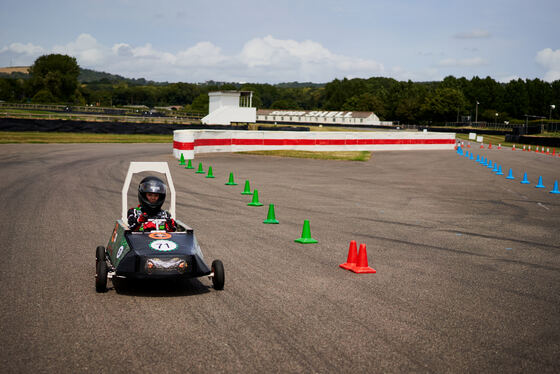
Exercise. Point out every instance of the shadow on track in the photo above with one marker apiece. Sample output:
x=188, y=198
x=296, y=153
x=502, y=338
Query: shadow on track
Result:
x=160, y=287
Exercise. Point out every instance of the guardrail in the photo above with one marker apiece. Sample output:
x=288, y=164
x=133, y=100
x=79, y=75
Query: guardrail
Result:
x=190, y=142
x=98, y=118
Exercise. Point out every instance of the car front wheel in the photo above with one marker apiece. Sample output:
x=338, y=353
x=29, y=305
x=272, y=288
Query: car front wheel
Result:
x=101, y=276
x=218, y=279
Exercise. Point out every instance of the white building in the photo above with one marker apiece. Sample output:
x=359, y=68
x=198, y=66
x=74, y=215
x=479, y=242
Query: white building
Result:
x=318, y=117
x=226, y=107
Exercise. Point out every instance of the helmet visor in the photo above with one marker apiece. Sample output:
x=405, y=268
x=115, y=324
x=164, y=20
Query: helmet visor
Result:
x=153, y=187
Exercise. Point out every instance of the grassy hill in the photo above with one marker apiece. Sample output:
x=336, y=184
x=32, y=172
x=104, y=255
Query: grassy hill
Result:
x=15, y=69
x=86, y=75
x=101, y=77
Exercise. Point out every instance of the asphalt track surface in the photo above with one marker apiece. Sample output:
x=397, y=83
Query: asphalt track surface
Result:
x=468, y=265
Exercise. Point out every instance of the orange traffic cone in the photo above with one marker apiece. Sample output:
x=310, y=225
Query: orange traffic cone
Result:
x=352, y=257
x=553, y=151
x=513, y=149
x=468, y=145
x=529, y=149
x=548, y=151
x=481, y=145
x=362, y=263
x=489, y=145
x=499, y=146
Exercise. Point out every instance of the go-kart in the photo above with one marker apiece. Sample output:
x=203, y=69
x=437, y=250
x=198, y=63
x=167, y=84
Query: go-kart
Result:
x=154, y=254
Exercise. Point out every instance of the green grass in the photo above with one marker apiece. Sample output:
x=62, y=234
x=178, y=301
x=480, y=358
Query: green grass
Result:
x=25, y=111
x=343, y=155
x=494, y=139
x=69, y=137
x=498, y=139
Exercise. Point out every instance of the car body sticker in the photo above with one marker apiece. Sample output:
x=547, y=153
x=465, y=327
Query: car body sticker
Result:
x=160, y=235
x=163, y=245
x=120, y=251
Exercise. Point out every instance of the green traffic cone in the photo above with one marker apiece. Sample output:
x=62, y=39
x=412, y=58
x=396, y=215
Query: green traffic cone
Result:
x=247, y=190
x=182, y=160
x=200, y=171
x=231, y=182
x=255, y=201
x=189, y=165
x=306, y=234
x=210, y=175
x=271, y=218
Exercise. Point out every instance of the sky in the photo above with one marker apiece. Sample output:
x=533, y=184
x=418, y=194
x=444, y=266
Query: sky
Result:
x=260, y=41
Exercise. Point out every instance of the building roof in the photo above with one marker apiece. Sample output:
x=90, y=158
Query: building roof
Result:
x=242, y=93
x=313, y=113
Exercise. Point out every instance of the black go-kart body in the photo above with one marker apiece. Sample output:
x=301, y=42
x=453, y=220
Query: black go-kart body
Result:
x=156, y=254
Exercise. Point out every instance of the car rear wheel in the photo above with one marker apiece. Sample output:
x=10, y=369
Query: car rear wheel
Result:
x=101, y=276
x=99, y=254
x=218, y=279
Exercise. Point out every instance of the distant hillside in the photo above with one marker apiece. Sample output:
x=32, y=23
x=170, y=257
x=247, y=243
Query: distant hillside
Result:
x=14, y=72
x=299, y=84
x=86, y=76
x=90, y=76
x=101, y=77
x=15, y=69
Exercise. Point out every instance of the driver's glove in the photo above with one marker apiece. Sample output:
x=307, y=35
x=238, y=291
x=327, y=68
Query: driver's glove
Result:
x=170, y=225
x=147, y=226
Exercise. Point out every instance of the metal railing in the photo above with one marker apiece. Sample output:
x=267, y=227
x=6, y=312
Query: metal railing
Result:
x=98, y=114
x=98, y=118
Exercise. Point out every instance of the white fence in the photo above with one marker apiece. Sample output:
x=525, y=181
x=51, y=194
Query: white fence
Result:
x=190, y=142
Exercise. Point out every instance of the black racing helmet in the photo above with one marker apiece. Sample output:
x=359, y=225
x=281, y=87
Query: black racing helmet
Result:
x=154, y=185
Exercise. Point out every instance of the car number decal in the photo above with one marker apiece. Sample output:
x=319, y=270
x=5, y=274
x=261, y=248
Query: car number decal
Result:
x=160, y=235
x=120, y=251
x=163, y=245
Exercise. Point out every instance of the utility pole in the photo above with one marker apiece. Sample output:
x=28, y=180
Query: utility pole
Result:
x=476, y=113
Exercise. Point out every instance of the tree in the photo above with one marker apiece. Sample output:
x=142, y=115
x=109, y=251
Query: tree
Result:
x=365, y=102
x=284, y=104
x=516, y=99
x=335, y=95
x=200, y=104
x=11, y=89
x=43, y=96
x=55, y=74
x=444, y=104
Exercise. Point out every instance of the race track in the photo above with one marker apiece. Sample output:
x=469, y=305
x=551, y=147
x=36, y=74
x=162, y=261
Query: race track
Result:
x=468, y=265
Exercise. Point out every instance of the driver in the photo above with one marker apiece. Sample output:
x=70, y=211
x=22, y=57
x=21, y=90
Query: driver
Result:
x=151, y=195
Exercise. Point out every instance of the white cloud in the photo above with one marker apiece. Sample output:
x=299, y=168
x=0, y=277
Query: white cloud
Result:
x=201, y=54
x=466, y=62
x=25, y=49
x=473, y=34
x=508, y=78
x=269, y=51
x=304, y=61
x=20, y=54
x=86, y=50
x=550, y=60
x=122, y=50
x=265, y=59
